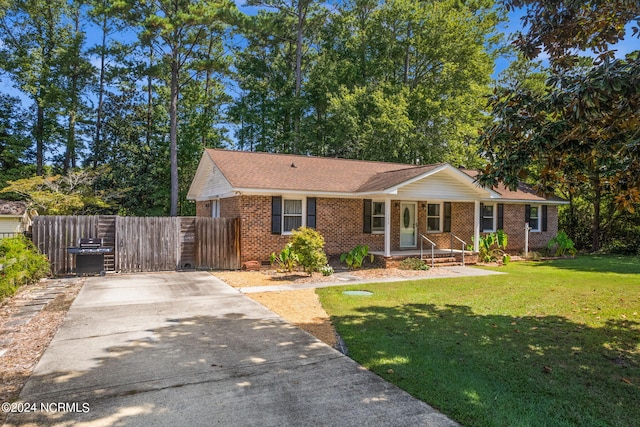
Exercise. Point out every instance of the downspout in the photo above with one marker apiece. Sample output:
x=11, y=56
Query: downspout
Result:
x=476, y=226
x=387, y=227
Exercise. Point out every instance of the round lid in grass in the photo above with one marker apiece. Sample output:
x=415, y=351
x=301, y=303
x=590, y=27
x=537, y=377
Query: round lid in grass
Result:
x=358, y=293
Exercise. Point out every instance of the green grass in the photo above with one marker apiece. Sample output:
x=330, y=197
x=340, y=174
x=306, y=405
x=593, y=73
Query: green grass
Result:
x=548, y=344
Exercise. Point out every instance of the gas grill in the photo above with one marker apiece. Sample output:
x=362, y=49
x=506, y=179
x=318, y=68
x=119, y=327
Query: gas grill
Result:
x=89, y=256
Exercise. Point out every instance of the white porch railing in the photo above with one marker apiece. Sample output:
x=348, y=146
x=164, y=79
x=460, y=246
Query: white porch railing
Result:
x=433, y=246
x=464, y=245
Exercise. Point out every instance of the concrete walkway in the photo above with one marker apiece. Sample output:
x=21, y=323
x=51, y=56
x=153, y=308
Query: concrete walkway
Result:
x=347, y=279
x=185, y=349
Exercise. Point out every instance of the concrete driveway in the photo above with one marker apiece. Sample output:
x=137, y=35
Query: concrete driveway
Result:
x=185, y=349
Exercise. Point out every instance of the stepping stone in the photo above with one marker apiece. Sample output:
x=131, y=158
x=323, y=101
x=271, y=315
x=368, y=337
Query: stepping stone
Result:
x=31, y=307
x=44, y=298
x=20, y=321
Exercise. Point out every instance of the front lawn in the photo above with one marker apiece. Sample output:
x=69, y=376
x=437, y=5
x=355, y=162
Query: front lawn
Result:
x=548, y=344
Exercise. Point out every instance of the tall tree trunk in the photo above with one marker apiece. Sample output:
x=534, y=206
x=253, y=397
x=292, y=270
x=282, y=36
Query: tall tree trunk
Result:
x=407, y=56
x=98, y=150
x=148, y=133
x=595, y=226
x=70, y=152
x=39, y=135
x=302, y=14
x=173, y=132
x=207, y=90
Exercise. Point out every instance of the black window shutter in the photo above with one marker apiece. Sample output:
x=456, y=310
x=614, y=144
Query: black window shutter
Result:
x=276, y=215
x=527, y=214
x=500, y=216
x=311, y=212
x=481, y=217
x=367, y=216
x=446, y=227
x=544, y=217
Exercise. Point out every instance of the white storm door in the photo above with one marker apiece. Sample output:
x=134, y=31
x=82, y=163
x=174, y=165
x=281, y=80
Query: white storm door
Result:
x=408, y=227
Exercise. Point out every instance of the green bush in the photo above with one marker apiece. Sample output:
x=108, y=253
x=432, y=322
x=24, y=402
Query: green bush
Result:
x=356, y=256
x=308, y=246
x=492, y=246
x=562, y=243
x=413, y=264
x=20, y=264
x=286, y=260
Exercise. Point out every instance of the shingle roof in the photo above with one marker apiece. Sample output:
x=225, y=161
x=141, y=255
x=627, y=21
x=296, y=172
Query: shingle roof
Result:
x=287, y=172
x=8, y=207
x=524, y=191
x=257, y=170
x=383, y=180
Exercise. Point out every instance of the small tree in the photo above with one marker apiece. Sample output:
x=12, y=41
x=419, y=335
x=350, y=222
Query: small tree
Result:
x=308, y=245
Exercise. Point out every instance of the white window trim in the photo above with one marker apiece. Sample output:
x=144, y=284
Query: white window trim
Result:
x=303, y=221
x=215, y=208
x=495, y=218
x=380, y=231
x=440, y=220
x=539, y=217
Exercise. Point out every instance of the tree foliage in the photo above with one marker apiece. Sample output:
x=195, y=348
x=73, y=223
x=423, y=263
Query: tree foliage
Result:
x=72, y=194
x=580, y=133
x=396, y=81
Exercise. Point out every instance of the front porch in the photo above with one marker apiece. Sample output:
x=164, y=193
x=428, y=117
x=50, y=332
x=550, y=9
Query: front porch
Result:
x=441, y=257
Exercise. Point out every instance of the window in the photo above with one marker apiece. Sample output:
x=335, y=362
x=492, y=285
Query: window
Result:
x=291, y=215
x=377, y=217
x=433, y=217
x=487, y=217
x=534, y=218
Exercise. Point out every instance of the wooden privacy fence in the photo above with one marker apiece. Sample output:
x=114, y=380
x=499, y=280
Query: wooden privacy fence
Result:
x=142, y=243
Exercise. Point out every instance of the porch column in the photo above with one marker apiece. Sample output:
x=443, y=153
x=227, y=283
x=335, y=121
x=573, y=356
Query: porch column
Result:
x=476, y=226
x=387, y=227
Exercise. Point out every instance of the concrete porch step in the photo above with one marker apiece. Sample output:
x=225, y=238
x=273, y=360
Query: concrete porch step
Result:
x=443, y=258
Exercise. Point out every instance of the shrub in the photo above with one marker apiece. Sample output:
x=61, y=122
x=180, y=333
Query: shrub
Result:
x=20, y=264
x=308, y=246
x=492, y=246
x=286, y=260
x=563, y=244
x=413, y=264
x=356, y=256
x=327, y=270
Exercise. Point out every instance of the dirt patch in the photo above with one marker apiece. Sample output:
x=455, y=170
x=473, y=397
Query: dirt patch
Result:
x=25, y=343
x=267, y=277
x=302, y=307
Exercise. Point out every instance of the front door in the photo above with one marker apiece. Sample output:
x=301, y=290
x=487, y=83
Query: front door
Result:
x=408, y=225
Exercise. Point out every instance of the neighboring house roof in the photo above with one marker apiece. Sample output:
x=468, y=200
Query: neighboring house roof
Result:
x=224, y=172
x=11, y=208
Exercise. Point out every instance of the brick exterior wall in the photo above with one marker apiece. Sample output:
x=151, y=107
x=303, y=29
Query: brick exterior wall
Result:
x=203, y=208
x=340, y=221
x=514, y=217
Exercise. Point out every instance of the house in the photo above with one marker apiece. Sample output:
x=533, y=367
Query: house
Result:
x=393, y=208
x=14, y=218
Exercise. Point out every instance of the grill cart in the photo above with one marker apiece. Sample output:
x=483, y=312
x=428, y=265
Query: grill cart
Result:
x=89, y=256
